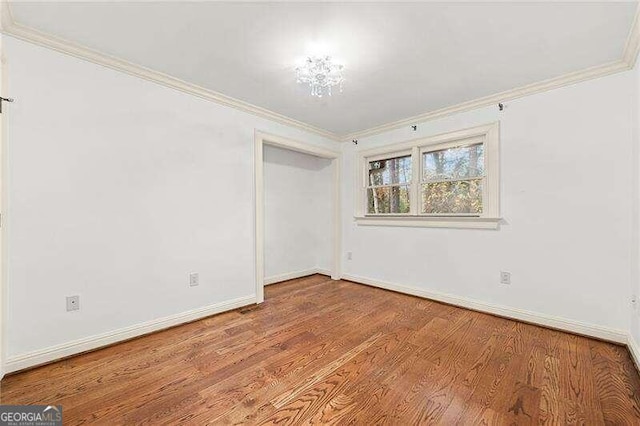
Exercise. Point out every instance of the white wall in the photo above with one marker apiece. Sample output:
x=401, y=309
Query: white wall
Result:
x=298, y=212
x=566, y=188
x=635, y=288
x=118, y=188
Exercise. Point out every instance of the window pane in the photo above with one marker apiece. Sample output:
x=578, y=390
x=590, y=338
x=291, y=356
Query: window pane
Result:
x=454, y=163
x=463, y=196
x=390, y=199
x=390, y=171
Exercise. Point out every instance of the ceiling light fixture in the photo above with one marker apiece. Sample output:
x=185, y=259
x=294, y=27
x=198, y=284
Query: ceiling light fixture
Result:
x=321, y=74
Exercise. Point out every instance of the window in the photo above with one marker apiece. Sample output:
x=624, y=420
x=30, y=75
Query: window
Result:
x=444, y=180
x=452, y=180
x=388, y=185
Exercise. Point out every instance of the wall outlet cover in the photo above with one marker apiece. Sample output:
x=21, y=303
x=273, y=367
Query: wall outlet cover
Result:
x=73, y=303
x=194, y=279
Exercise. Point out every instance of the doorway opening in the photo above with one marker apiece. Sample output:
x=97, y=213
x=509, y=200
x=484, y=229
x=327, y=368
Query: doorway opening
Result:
x=314, y=228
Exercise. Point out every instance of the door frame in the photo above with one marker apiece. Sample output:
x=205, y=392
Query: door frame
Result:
x=261, y=139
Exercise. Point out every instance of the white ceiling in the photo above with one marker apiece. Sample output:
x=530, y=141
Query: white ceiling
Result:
x=401, y=59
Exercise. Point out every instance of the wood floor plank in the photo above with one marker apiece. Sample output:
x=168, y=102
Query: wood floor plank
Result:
x=617, y=386
x=289, y=372
x=334, y=352
x=309, y=400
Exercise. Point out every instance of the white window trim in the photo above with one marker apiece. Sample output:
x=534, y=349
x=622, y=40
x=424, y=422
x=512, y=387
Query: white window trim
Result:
x=490, y=218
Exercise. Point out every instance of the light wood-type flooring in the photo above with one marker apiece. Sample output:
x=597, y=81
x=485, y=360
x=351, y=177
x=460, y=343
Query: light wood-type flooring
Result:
x=321, y=351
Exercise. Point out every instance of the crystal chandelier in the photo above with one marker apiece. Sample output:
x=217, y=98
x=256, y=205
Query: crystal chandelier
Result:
x=321, y=75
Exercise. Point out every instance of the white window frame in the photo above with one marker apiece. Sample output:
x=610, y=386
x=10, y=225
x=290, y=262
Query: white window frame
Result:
x=394, y=154
x=488, y=134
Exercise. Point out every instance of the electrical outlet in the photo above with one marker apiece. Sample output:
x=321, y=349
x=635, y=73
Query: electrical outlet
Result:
x=505, y=277
x=73, y=303
x=194, y=279
x=349, y=255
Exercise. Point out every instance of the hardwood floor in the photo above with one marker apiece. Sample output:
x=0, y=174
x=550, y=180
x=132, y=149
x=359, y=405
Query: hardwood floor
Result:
x=320, y=351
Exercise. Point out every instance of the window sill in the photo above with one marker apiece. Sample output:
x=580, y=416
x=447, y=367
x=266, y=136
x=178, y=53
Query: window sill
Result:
x=430, y=221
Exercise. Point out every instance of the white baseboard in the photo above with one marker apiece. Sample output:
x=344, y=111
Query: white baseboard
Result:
x=326, y=272
x=590, y=330
x=293, y=275
x=43, y=356
x=634, y=349
x=53, y=353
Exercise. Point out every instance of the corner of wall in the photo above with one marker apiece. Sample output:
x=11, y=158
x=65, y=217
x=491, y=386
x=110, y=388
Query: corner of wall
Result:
x=634, y=350
x=634, y=291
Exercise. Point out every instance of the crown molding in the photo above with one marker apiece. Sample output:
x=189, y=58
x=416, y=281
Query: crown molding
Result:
x=6, y=18
x=628, y=61
x=542, y=86
x=632, y=47
x=10, y=27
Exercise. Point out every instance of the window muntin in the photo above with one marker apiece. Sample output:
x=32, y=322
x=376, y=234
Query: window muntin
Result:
x=452, y=180
x=388, y=184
